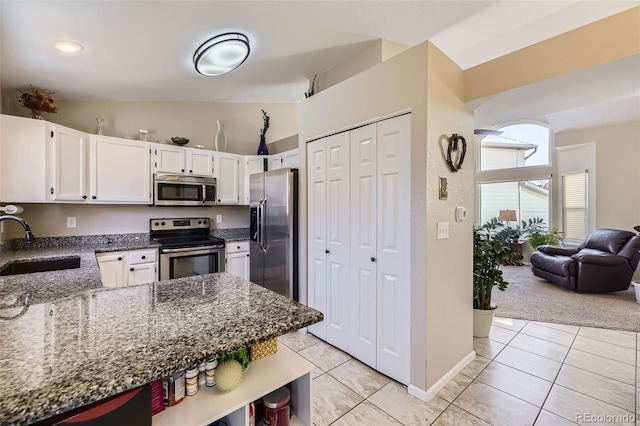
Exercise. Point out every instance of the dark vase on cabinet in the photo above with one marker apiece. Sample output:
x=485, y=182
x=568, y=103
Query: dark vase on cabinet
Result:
x=262, y=148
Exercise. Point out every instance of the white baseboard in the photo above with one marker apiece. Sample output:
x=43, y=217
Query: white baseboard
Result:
x=437, y=386
x=421, y=394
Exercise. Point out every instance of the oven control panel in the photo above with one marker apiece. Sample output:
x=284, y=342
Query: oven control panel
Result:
x=172, y=224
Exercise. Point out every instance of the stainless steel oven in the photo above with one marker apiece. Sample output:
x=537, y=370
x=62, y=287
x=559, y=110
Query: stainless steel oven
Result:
x=186, y=248
x=179, y=190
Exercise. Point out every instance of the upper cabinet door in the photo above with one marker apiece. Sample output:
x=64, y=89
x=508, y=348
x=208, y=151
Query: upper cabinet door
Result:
x=120, y=171
x=252, y=164
x=200, y=162
x=69, y=165
x=169, y=159
x=227, y=178
x=275, y=162
x=290, y=159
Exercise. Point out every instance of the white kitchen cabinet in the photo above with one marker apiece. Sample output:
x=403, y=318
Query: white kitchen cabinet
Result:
x=284, y=160
x=169, y=159
x=68, y=164
x=23, y=160
x=252, y=164
x=371, y=268
x=237, y=258
x=120, y=171
x=182, y=161
x=328, y=239
x=200, y=162
x=125, y=268
x=227, y=173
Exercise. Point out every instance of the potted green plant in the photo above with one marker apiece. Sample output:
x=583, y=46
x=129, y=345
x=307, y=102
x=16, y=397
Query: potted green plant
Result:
x=488, y=254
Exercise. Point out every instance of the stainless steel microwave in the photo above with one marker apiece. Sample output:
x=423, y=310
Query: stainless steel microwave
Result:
x=179, y=190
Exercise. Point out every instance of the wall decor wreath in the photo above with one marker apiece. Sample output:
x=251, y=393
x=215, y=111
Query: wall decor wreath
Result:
x=454, y=140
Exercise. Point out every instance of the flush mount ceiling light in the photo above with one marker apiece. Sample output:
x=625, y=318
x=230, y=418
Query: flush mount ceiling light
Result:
x=68, y=46
x=221, y=54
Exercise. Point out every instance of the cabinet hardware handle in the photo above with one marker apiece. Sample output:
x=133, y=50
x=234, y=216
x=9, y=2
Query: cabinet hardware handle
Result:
x=93, y=197
x=51, y=190
x=131, y=269
x=52, y=133
x=120, y=258
x=183, y=170
x=238, y=247
x=327, y=251
x=84, y=197
x=247, y=254
x=144, y=257
x=373, y=259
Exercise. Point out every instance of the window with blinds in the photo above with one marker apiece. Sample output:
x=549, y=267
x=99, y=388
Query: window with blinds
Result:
x=574, y=205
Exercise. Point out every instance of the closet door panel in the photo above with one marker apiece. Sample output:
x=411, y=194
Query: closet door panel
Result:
x=317, y=232
x=393, y=242
x=338, y=197
x=364, y=244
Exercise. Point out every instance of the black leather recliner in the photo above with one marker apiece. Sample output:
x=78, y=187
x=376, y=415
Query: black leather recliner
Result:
x=603, y=263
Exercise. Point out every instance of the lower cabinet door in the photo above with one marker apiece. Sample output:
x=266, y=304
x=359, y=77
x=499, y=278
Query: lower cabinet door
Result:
x=238, y=264
x=141, y=274
x=111, y=269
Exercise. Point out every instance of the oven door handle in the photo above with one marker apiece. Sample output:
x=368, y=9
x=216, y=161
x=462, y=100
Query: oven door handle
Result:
x=192, y=249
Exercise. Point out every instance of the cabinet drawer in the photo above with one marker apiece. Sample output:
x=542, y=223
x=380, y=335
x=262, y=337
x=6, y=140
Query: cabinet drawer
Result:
x=236, y=246
x=142, y=256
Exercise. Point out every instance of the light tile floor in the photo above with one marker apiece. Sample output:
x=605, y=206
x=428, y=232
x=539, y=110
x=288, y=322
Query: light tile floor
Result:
x=525, y=373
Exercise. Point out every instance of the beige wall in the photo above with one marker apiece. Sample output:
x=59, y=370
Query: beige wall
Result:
x=400, y=84
x=618, y=172
x=603, y=41
x=48, y=220
x=195, y=120
x=449, y=262
x=378, y=51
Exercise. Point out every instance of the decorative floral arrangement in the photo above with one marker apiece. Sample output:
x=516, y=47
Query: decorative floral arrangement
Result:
x=265, y=119
x=38, y=101
x=313, y=88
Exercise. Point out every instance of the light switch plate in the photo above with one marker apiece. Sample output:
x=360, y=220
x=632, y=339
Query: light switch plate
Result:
x=443, y=230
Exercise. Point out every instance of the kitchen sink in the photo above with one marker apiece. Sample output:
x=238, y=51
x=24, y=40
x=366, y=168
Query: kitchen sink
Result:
x=16, y=267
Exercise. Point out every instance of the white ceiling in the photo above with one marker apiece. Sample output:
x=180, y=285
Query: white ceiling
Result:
x=142, y=50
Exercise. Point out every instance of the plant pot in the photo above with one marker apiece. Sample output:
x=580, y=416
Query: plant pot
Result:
x=637, y=288
x=482, y=319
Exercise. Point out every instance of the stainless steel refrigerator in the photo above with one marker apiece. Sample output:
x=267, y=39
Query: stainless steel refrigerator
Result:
x=273, y=228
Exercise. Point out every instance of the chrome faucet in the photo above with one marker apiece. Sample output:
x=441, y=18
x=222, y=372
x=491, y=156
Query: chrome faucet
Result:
x=29, y=236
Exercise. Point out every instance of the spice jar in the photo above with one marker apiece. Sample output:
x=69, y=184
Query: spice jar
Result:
x=173, y=387
x=202, y=376
x=191, y=379
x=210, y=370
x=276, y=407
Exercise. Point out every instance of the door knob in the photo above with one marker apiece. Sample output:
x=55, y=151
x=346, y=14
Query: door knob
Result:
x=131, y=269
x=327, y=251
x=93, y=197
x=373, y=259
x=119, y=258
x=84, y=197
x=144, y=257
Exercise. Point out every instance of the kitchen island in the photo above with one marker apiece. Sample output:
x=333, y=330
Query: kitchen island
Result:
x=67, y=352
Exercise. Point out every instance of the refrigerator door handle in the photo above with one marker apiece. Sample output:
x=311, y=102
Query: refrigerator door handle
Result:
x=259, y=225
x=263, y=226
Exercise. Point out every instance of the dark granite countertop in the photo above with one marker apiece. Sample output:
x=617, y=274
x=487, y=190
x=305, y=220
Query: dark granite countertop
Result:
x=48, y=286
x=231, y=234
x=66, y=352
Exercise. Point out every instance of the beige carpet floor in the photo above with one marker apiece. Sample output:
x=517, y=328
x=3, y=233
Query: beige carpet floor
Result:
x=532, y=298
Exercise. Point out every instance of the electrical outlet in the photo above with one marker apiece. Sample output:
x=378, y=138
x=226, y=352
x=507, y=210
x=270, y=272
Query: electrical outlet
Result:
x=218, y=218
x=71, y=222
x=443, y=230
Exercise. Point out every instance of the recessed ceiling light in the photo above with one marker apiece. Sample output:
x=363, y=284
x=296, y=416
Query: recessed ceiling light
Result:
x=68, y=46
x=221, y=54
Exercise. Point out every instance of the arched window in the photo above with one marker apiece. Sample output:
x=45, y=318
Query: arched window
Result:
x=515, y=172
